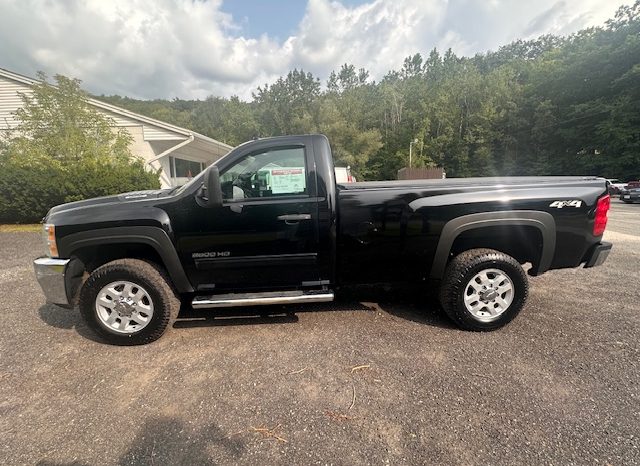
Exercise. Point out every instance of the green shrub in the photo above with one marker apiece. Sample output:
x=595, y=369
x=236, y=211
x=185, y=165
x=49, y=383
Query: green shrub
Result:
x=28, y=189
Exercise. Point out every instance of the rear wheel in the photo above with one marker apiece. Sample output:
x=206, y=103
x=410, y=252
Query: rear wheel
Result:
x=483, y=289
x=129, y=302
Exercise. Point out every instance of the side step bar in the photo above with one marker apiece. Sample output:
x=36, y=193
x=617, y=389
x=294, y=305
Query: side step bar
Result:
x=261, y=299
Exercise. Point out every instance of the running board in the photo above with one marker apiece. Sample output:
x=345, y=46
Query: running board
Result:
x=261, y=299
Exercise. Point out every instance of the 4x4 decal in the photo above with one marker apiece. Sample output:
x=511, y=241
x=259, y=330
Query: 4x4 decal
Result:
x=561, y=204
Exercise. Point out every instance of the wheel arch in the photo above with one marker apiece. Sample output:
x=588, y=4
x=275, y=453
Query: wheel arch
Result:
x=149, y=242
x=538, y=221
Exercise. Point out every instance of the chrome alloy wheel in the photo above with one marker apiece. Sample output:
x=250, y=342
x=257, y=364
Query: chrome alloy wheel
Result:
x=124, y=307
x=488, y=294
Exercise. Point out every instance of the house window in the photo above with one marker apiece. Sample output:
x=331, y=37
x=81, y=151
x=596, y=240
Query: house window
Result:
x=181, y=168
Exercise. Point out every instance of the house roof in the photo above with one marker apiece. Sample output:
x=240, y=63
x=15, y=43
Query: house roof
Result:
x=126, y=113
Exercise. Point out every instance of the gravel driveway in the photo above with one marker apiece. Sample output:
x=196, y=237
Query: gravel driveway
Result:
x=349, y=383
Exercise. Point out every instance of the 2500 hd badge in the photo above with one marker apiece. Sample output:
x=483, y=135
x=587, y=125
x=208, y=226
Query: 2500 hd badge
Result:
x=200, y=255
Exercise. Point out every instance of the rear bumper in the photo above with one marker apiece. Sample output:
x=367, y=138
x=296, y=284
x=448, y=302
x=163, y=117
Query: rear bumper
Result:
x=51, y=276
x=598, y=254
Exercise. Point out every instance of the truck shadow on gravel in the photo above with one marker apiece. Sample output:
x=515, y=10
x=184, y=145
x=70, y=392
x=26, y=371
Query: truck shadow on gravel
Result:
x=252, y=315
x=404, y=303
x=169, y=440
x=68, y=319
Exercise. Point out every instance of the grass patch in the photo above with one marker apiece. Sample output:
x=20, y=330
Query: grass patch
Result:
x=31, y=227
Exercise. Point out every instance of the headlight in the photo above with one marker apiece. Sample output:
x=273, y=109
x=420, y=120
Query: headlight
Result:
x=49, y=233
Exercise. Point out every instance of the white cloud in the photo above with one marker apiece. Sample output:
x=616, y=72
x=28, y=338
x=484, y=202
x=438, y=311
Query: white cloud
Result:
x=376, y=36
x=187, y=48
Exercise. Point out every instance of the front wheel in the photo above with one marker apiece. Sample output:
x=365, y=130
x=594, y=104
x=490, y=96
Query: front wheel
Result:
x=129, y=302
x=483, y=289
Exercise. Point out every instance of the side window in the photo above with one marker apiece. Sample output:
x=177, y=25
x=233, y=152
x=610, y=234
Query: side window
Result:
x=274, y=173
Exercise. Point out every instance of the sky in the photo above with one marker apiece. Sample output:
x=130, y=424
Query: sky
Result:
x=192, y=49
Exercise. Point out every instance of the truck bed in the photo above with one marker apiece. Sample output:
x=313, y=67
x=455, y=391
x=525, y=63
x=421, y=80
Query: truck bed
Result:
x=391, y=229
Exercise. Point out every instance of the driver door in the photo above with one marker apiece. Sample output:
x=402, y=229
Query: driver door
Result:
x=265, y=235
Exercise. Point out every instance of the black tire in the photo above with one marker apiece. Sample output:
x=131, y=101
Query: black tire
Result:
x=151, y=277
x=458, y=275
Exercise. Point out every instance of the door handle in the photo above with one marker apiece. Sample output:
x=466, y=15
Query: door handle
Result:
x=294, y=218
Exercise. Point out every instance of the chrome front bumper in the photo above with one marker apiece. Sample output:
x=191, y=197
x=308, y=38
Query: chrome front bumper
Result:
x=50, y=274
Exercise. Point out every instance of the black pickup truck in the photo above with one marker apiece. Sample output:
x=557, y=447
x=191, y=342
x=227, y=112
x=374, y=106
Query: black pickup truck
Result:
x=267, y=224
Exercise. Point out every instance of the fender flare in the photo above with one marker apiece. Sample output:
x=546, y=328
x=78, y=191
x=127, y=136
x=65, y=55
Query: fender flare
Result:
x=155, y=237
x=543, y=221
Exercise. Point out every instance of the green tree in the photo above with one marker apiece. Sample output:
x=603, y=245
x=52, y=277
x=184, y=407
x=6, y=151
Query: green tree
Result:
x=58, y=123
x=289, y=105
x=229, y=120
x=64, y=150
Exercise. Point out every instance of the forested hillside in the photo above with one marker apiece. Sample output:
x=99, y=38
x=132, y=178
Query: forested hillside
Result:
x=555, y=105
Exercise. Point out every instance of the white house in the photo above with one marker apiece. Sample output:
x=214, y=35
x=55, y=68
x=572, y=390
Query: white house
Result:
x=178, y=152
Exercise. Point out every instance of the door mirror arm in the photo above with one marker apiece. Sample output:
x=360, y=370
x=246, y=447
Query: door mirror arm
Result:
x=210, y=194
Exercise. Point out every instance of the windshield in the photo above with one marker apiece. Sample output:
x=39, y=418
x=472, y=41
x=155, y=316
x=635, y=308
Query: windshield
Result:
x=196, y=180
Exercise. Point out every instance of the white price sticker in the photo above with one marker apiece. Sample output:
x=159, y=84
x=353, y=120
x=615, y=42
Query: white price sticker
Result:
x=287, y=180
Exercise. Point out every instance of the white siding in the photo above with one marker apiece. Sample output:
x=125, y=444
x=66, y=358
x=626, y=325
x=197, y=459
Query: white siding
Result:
x=139, y=147
x=121, y=121
x=151, y=133
x=10, y=101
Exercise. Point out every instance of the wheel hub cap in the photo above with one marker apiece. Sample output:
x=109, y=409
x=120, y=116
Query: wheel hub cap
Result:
x=488, y=294
x=124, y=307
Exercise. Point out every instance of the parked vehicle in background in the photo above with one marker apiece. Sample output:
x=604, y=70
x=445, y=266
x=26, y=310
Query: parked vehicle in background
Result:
x=631, y=192
x=615, y=185
x=268, y=224
x=343, y=175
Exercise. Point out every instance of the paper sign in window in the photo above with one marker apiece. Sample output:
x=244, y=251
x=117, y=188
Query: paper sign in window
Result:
x=287, y=180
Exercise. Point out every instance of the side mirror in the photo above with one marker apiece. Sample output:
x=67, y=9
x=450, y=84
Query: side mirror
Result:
x=211, y=193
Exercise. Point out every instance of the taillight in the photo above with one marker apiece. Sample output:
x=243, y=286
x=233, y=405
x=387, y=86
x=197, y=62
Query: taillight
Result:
x=602, y=208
